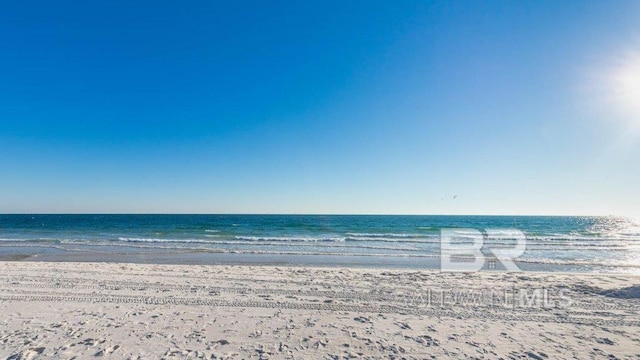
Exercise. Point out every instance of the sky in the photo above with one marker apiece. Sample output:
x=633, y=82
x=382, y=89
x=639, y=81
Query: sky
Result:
x=376, y=107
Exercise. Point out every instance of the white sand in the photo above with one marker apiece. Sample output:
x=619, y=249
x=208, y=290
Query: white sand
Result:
x=66, y=310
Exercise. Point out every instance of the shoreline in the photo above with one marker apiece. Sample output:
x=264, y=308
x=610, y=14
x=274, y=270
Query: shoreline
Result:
x=135, y=255
x=127, y=310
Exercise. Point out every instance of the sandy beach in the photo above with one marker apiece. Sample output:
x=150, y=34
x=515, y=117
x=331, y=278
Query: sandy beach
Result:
x=141, y=311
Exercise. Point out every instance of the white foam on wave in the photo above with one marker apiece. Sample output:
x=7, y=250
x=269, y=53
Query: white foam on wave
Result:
x=168, y=246
x=157, y=240
x=314, y=253
x=386, y=235
x=424, y=240
x=27, y=239
x=289, y=239
x=313, y=244
x=569, y=237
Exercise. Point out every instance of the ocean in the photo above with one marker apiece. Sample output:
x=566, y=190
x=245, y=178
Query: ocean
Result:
x=567, y=244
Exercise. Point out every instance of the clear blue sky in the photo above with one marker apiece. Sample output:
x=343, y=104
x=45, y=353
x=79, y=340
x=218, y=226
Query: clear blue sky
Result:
x=511, y=107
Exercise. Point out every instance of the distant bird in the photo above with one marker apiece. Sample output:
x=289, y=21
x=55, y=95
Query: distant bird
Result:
x=455, y=197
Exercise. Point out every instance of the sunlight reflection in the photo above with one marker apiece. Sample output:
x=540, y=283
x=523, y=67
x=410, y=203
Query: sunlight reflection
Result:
x=614, y=91
x=623, y=87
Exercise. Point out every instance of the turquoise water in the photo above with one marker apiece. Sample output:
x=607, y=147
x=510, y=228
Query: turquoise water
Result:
x=552, y=243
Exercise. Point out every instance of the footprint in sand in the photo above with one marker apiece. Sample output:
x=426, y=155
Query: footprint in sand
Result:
x=107, y=351
x=27, y=354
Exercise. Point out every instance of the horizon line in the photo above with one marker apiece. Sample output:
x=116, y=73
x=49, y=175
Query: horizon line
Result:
x=310, y=214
